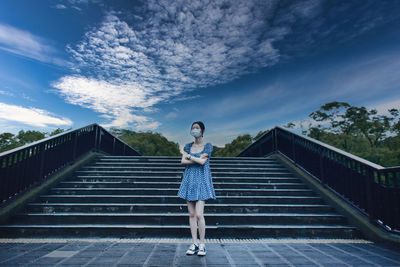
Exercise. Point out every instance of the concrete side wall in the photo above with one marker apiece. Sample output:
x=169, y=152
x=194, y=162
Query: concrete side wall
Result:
x=354, y=216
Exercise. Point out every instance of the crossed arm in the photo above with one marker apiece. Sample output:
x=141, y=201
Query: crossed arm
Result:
x=186, y=161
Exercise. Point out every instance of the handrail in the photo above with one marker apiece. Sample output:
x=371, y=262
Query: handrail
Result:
x=25, y=166
x=372, y=189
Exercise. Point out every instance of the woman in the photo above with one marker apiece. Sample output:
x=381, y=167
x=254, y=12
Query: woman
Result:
x=196, y=186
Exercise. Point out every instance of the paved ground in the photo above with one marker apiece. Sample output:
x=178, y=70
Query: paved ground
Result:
x=171, y=252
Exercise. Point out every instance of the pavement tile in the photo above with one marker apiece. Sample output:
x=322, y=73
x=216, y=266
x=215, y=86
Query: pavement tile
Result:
x=110, y=253
x=381, y=260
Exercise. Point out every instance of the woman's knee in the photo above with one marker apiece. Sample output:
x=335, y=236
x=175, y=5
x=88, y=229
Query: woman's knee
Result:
x=192, y=214
x=199, y=216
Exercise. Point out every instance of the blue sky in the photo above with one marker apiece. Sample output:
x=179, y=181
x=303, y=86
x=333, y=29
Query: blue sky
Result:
x=239, y=66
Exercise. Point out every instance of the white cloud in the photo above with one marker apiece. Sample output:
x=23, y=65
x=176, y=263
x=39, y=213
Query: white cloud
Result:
x=114, y=101
x=2, y=92
x=175, y=47
x=25, y=44
x=171, y=115
x=383, y=107
x=31, y=116
x=60, y=6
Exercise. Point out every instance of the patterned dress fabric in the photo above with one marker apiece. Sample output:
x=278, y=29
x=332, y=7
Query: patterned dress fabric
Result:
x=197, y=181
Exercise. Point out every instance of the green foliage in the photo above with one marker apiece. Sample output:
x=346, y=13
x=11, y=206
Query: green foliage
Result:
x=260, y=133
x=359, y=131
x=237, y=145
x=9, y=141
x=29, y=136
x=148, y=143
x=58, y=131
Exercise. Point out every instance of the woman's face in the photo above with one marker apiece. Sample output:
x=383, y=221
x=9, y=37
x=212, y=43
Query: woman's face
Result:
x=196, y=126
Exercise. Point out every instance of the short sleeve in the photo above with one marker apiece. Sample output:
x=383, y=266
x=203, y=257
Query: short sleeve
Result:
x=187, y=148
x=208, y=149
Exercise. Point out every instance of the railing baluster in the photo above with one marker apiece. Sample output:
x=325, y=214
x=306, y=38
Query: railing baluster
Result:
x=351, y=174
x=23, y=167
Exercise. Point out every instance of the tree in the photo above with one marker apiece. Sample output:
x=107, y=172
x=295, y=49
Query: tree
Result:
x=7, y=142
x=148, y=143
x=235, y=147
x=359, y=131
x=29, y=136
x=260, y=133
x=58, y=131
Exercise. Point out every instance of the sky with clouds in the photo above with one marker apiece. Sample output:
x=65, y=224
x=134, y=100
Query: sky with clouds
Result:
x=239, y=66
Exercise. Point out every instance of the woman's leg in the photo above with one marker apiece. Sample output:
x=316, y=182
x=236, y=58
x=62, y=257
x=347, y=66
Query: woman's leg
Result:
x=192, y=220
x=200, y=220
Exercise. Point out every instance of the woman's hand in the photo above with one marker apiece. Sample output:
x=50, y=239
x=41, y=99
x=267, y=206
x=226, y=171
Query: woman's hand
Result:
x=202, y=160
x=204, y=155
x=185, y=159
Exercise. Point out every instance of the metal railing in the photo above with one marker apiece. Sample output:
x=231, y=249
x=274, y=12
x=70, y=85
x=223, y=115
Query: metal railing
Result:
x=371, y=188
x=25, y=166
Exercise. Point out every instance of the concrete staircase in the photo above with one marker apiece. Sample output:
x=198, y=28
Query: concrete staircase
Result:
x=136, y=197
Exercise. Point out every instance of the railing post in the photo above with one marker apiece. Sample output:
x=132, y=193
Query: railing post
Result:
x=370, y=194
x=99, y=143
x=113, y=149
x=321, y=165
x=293, y=149
x=96, y=138
x=42, y=158
x=74, y=150
x=275, y=137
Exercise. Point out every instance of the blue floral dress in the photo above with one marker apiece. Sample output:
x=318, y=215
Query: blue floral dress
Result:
x=197, y=181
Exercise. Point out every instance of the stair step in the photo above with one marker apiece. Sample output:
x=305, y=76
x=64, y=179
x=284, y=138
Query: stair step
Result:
x=213, y=231
x=167, y=173
x=181, y=218
x=177, y=164
x=178, y=178
x=174, y=191
x=217, y=185
x=143, y=158
x=163, y=208
x=182, y=168
x=177, y=200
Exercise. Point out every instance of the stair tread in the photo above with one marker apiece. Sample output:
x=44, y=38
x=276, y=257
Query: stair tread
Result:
x=239, y=164
x=184, y=214
x=180, y=176
x=260, y=226
x=139, y=182
x=182, y=167
x=177, y=196
x=176, y=205
x=174, y=189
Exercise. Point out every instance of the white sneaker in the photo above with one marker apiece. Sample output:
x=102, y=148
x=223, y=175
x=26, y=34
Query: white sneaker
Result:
x=192, y=249
x=202, y=250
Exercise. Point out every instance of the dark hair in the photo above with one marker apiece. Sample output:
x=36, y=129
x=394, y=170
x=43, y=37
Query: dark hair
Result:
x=201, y=124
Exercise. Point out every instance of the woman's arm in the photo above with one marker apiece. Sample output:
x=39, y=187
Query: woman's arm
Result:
x=202, y=160
x=185, y=160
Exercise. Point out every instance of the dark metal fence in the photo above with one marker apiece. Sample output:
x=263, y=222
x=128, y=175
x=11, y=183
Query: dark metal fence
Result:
x=25, y=166
x=369, y=187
